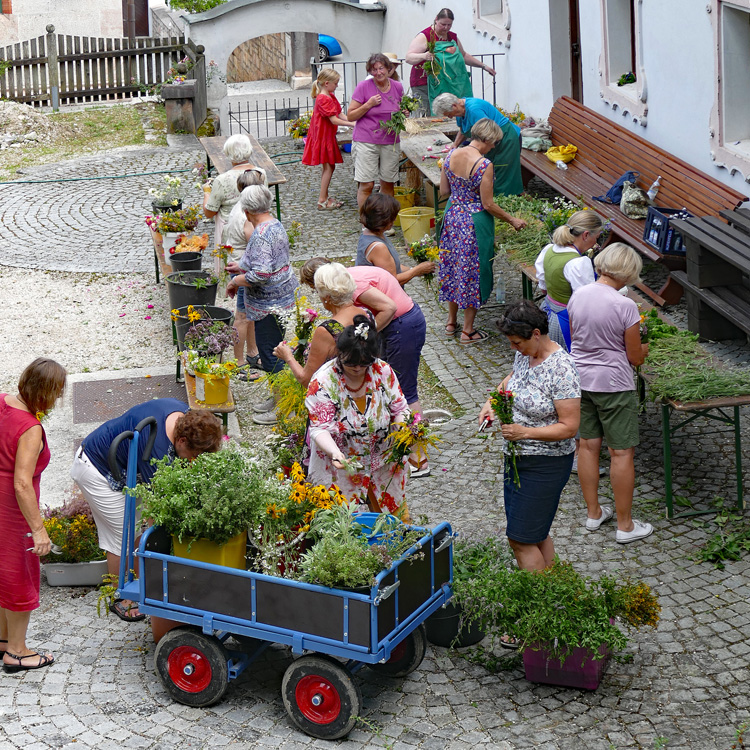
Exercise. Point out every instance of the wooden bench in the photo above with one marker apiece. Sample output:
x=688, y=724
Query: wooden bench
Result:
x=716, y=282
x=605, y=152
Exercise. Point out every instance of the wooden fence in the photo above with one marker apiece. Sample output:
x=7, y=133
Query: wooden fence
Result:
x=58, y=69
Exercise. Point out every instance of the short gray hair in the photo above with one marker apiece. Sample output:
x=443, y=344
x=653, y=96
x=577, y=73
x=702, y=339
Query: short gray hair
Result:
x=238, y=148
x=256, y=199
x=444, y=103
x=620, y=262
x=335, y=283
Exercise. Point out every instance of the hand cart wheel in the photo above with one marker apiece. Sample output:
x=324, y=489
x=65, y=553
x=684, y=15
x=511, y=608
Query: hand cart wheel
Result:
x=192, y=667
x=406, y=657
x=321, y=697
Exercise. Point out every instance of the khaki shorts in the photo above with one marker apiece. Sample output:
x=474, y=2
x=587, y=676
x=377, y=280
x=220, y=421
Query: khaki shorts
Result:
x=376, y=162
x=613, y=416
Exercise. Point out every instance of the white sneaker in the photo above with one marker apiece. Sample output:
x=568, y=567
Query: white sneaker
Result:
x=268, y=405
x=640, y=531
x=592, y=524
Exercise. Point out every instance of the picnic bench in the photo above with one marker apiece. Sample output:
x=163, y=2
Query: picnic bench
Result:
x=716, y=281
x=214, y=148
x=605, y=152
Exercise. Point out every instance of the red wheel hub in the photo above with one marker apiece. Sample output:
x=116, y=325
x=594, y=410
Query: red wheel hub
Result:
x=189, y=669
x=318, y=699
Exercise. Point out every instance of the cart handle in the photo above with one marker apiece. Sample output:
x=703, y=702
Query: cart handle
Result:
x=383, y=594
x=112, y=455
x=445, y=543
x=151, y=437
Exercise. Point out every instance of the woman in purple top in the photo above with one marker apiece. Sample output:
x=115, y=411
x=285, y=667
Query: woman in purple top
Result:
x=376, y=155
x=606, y=345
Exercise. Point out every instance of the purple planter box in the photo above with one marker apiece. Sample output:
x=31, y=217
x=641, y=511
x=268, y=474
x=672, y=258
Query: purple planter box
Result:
x=579, y=670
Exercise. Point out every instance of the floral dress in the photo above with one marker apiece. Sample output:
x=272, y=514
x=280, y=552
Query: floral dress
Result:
x=466, y=268
x=360, y=435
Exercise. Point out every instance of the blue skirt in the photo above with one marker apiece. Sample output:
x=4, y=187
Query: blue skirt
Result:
x=530, y=509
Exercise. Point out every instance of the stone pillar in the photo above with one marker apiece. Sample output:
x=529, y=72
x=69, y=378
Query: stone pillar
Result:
x=303, y=47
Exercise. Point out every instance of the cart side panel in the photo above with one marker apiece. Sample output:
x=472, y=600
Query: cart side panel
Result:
x=312, y=612
x=208, y=590
x=158, y=540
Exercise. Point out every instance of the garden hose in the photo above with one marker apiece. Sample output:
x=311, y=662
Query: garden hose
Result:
x=105, y=177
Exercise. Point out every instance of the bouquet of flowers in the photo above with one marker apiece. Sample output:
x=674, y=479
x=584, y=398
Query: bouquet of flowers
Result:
x=72, y=529
x=210, y=337
x=397, y=121
x=502, y=405
x=413, y=435
x=184, y=220
x=425, y=250
x=195, y=243
x=202, y=175
x=304, y=325
x=517, y=117
x=299, y=127
x=209, y=366
x=557, y=213
x=168, y=194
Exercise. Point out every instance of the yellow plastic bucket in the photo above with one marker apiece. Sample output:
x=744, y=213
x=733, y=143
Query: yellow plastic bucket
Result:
x=211, y=390
x=405, y=198
x=416, y=223
x=229, y=555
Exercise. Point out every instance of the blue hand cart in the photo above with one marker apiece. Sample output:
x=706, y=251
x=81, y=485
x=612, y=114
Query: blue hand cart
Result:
x=333, y=632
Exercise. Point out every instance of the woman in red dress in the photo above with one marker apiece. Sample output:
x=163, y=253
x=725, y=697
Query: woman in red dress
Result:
x=24, y=455
x=321, y=147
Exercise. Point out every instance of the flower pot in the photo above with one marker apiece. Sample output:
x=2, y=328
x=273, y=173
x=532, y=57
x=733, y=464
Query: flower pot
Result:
x=579, y=670
x=210, y=389
x=443, y=628
x=229, y=555
x=183, y=292
x=169, y=241
x=211, y=312
x=75, y=574
x=187, y=261
x=159, y=209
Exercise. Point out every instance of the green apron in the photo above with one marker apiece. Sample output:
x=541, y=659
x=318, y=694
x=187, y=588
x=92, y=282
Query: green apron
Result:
x=506, y=159
x=453, y=78
x=484, y=228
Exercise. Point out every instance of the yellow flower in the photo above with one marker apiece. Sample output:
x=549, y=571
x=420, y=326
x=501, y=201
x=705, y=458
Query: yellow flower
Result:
x=175, y=314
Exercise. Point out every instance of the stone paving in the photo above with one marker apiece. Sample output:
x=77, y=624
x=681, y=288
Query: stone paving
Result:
x=685, y=683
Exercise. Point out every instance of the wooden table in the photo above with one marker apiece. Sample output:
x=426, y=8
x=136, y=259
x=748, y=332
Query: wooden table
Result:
x=414, y=148
x=214, y=148
x=221, y=410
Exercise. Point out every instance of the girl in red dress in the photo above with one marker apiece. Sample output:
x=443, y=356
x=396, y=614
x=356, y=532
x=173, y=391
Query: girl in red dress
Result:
x=321, y=147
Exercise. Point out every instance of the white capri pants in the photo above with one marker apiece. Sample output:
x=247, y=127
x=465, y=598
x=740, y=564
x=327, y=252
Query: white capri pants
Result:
x=107, y=505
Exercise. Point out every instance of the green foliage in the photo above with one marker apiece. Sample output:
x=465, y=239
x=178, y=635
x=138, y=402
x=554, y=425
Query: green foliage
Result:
x=195, y=6
x=556, y=607
x=522, y=246
x=728, y=543
x=344, y=563
x=626, y=78
x=214, y=497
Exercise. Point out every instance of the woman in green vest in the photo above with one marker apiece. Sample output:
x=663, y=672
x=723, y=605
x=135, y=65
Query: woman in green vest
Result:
x=563, y=266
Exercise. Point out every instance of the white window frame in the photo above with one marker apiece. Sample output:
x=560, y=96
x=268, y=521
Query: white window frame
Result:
x=495, y=25
x=632, y=98
x=735, y=159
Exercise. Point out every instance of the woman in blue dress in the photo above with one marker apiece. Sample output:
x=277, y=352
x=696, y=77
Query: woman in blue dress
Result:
x=468, y=235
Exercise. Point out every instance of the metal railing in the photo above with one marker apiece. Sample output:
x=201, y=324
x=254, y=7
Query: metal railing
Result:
x=270, y=118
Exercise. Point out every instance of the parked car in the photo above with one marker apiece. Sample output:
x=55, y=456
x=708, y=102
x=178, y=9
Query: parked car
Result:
x=327, y=47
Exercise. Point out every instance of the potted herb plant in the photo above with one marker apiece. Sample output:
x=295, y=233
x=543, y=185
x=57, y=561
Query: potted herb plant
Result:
x=167, y=196
x=457, y=623
x=170, y=226
x=78, y=560
x=207, y=504
x=191, y=288
x=565, y=624
x=211, y=378
x=184, y=318
x=210, y=338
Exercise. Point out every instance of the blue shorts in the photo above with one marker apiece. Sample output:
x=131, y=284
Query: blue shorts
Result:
x=240, y=296
x=530, y=509
x=403, y=340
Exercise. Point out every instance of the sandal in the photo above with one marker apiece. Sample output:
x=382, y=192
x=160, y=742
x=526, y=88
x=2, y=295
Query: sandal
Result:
x=449, y=332
x=330, y=205
x=248, y=375
x=253, y=360
x=123, y=612
x=475, y=337
x=509, y=641
x=44, y=661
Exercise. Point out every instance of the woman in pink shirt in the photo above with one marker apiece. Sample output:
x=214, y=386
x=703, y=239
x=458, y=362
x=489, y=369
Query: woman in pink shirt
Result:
x=606, y=345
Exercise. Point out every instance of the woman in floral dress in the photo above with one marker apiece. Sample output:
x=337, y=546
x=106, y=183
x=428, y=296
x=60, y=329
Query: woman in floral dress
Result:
x=469, y=230
x=354, y=401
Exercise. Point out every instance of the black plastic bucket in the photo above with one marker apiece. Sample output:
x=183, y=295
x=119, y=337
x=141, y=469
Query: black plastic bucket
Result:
x=183, y=292
x=187, y=261
x=207, y=312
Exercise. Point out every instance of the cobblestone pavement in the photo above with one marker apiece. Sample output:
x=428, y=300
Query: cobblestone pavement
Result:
x=686, y=682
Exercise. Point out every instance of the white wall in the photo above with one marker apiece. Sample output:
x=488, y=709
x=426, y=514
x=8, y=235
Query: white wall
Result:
x=29, y=19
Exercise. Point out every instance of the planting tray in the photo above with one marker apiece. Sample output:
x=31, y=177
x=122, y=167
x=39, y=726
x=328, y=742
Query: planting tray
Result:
x=75, y=574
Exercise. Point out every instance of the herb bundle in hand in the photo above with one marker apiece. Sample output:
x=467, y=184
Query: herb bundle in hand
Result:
x=502, y=405
x=397, y=122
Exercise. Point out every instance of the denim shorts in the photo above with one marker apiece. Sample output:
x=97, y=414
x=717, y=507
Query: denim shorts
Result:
x=530, y=508
x=240, y=296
